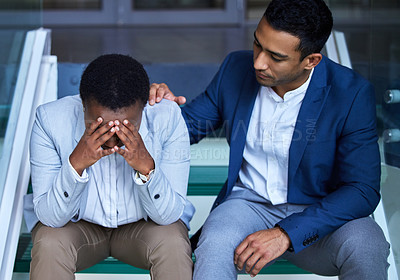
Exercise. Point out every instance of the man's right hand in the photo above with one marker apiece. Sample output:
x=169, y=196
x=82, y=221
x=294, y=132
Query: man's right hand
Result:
x=160, y=91
x=89, y=151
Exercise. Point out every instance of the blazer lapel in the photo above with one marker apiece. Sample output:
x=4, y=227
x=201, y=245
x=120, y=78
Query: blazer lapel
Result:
x=309, y=113
x=244, y=108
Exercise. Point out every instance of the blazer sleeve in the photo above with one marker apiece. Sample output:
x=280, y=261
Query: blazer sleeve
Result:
x=164, y=196
x=57, y=191
x=357, y=168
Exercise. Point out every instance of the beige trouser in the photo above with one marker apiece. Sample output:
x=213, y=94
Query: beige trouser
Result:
x=58, y=253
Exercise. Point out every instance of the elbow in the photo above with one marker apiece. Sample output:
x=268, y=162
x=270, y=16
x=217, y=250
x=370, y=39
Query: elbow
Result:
x=51, y=220
x=375, y=201
x=53, y=223
x=167, y=217
x=162, y=222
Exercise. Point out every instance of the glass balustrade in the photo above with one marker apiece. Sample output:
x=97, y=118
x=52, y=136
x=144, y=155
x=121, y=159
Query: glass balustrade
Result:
x=12, y=77
x=17, y=18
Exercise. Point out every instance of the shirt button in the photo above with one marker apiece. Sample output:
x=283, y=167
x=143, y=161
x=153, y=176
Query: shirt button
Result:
x=66, y=194
x=157, y=196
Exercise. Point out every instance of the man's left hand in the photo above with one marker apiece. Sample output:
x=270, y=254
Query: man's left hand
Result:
x=135, y=152
x=260, y=248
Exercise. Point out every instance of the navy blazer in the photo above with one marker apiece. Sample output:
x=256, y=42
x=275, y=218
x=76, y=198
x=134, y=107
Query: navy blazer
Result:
x=334, y=161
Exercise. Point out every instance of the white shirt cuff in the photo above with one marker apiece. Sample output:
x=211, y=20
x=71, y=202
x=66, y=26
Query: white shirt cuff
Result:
x=139, y=181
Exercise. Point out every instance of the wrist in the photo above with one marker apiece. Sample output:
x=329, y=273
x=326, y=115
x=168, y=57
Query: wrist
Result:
x=145, y=177
x=146, y=169
x=289, y=247
x=75, y=165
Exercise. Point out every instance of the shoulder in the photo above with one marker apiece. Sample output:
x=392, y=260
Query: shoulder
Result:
x=244, y=55
x=235, y=68
x=63, y=113
x=162, y=112
x=61, y=107
x=342, y=77
x=240, y=58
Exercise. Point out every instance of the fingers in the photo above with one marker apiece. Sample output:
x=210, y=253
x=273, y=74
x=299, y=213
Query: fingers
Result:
x=153, y=92
x=126, y=134
x=260, y=248
x=130, y=126
x=157, y=92
x=180, y=100
x=107, y=152
x=259, y=264
x=160, y=91
x=105, y=136
x=239, y=250
x=92, y=126
x=242, y=253
x=248, y=258
x=254, y=262
x=123, y=135
x=120, y=151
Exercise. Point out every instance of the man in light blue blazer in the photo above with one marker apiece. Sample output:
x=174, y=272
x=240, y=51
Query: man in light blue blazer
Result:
x=304, y=166
x=109, y=178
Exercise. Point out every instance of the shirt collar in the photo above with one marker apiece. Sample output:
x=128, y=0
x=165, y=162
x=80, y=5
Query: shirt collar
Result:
x=292, y=93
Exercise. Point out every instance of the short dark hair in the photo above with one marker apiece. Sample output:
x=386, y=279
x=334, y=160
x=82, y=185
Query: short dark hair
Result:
x=309, y=20
x=115, y=81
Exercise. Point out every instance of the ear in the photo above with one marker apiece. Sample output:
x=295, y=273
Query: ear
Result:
x=312, y=60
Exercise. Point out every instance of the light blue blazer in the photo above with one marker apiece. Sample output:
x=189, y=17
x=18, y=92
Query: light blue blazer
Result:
x=60, y=195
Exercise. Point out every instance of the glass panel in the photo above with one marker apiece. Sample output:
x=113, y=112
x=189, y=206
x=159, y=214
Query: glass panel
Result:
x=20, y=14
x=72, y=4
x=20, y=5
x=256, y=8
x=385, y=74
x=372, y=31
x=390, y=200
x=12, y=69
x=177, y=4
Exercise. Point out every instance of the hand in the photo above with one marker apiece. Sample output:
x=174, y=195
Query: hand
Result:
x=89, y=151
x=160, y=91
x=260, y=248
x=135, y=152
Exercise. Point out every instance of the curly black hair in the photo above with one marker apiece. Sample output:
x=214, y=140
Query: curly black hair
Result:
x=309, y=20
x=114, y=81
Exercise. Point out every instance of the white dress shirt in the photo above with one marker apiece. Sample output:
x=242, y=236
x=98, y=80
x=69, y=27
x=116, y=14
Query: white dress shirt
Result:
x=266, y=153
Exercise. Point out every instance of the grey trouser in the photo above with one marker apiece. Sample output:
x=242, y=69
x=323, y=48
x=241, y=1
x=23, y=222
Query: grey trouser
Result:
x=58, y=253
x=356, y=251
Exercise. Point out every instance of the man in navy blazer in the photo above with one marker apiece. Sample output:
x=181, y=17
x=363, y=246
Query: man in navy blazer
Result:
x=304, y=166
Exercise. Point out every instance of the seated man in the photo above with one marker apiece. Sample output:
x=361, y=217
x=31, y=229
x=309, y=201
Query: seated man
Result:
x=109, y=178
x=304, y=164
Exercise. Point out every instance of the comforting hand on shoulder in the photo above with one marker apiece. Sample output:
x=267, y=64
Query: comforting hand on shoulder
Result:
x=160, y=91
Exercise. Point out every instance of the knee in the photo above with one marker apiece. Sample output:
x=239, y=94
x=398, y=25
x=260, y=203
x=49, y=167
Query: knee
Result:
x=174, y=241
x=364, y=238
x=219, y=239
x=50, y=243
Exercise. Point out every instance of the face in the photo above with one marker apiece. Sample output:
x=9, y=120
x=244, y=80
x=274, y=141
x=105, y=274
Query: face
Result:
x=133, y=113
x=276, y=60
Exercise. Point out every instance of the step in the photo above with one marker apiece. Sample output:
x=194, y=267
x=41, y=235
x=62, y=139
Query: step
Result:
x=205, y=181
x=114, y=266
